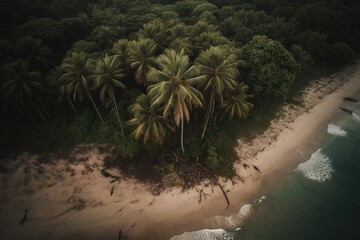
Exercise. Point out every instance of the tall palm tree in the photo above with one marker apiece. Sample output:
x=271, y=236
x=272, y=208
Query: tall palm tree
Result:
x=237, y=103
x=120, y=49
x=108, y=75
x=141, y=57
x=219, y=67
x=54, y=80
x=172, y=89
x=76, y=77
x=150, y=124
x=23, y=87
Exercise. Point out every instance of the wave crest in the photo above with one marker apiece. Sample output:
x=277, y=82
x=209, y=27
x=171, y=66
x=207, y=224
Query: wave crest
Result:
x=317, y=168
x=214, y=228
x=336, y=130
x=205, y=234
x=356, y=116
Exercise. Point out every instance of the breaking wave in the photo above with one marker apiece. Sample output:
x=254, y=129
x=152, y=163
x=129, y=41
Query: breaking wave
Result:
x=214, y=228
x=205, y=234
x=317, y=168
x=335, y=130
x=356, y=116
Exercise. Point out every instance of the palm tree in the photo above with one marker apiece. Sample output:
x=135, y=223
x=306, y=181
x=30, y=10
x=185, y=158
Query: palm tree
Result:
x=209, y=39
x=150, y=124
x=141, y=57
x=237, y=104
x=105, y=35
x=23, y=87
x=185, y=44
x=219, y=67
x=156, y=31
x=180, y=39
x=54, y=80
x=76, y=78
x=120, y=49
x=172, y=89
x=108, y=75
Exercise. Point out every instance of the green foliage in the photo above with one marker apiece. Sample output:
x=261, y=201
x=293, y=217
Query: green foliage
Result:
x=212, y=159
x=204, y=7
x=22, y=88
x=270, y=68
x=314, y=43
x=218, y=163
x=236, y=104
x=92, y=49
x=301, y=56
x=79, y=128
x=141, y=57
x=340, y=54
x=149, y=124
x=164, y=168
x=44, y=28
x=104, y=46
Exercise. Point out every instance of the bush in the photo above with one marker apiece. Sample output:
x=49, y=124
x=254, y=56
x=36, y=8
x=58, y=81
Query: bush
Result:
x=79, y=128
x=340, y=54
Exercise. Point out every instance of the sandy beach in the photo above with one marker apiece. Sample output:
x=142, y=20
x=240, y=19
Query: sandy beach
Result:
x=65, y=198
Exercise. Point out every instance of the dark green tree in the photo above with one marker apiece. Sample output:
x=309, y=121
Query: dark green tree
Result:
x=270, y=68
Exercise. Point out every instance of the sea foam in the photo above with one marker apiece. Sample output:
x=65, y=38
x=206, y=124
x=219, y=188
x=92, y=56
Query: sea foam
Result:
x=356, y=116
x=335, y=130
x=214, y=227
x=205, y=234
x=317, y=168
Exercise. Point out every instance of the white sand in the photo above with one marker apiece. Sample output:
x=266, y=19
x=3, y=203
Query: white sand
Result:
x=72, y=200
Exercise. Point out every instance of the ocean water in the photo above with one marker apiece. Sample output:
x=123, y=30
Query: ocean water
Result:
x=318, y=199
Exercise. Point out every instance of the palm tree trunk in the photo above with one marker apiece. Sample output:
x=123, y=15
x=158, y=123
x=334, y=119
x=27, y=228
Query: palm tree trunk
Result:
x=97, y=110
x=212, y=111
x=207, y=117
x=72, y=105
x=116, y=109
x=182, y=135
x=214, y=122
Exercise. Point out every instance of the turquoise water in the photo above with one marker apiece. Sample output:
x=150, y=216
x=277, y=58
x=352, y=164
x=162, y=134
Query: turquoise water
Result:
x=319, y=199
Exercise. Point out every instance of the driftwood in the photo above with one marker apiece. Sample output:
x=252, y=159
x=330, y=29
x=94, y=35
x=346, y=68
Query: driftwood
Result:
x=256, y=168
x=106, y=174
x=346, y=110
x=200, y=195
x=194, y=173
x=119, y=211
x=112, y=190
x=24, y=218
x=350, y=99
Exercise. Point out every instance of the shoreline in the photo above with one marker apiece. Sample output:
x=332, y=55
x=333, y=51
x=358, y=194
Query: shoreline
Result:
x=70, y=205
x=270, y=150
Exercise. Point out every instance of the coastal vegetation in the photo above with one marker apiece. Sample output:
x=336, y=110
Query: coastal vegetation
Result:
x=167, y=84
